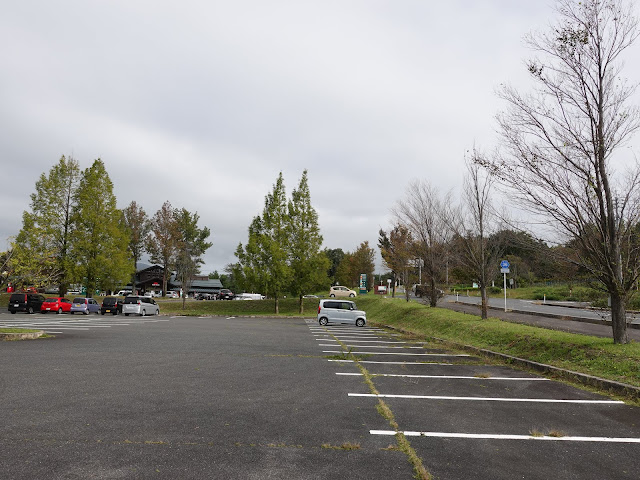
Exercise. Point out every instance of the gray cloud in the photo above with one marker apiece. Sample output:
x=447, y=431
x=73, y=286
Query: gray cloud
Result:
x=209, y=101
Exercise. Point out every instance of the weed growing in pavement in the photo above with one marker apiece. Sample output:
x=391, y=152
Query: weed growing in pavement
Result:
x=344, y=446
x=383, y=409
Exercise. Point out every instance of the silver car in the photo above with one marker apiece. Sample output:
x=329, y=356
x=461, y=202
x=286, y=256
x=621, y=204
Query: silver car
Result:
x=135, y=305
x=84, y=305
x=340, y=311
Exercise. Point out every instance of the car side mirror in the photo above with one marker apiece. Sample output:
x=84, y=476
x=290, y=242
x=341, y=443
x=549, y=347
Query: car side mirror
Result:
x=351, y=307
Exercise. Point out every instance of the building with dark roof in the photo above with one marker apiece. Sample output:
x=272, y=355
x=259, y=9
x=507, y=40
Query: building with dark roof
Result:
x=149, y=279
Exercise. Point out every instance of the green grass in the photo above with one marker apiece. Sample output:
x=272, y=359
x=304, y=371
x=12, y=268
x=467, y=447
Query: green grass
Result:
x=17, y=330
x=580, y=353
x=288, y=307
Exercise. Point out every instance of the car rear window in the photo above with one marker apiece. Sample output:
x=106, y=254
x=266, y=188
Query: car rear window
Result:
x=78, y=300
x=110, y=301
x=17, y=297
x=131, y=299
x=51, y=300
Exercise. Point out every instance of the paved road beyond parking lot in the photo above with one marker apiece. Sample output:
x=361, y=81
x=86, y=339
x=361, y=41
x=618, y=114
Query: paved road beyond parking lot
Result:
x=247, y=398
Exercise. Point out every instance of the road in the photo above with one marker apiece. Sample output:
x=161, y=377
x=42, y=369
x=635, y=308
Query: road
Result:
x=254, y=398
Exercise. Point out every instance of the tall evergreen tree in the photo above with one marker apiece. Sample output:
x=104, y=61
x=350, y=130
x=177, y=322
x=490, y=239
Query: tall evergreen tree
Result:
x=191, y=245
x=308, y=263
x=138, y=226
x=41, y=249
x=265, y=259
x=99, y=243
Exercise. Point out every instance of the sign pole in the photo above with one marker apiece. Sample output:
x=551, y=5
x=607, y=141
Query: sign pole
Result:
x=505, y=291
x=504, y=269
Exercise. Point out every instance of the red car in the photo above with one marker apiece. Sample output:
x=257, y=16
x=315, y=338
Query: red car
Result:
x=56, y=304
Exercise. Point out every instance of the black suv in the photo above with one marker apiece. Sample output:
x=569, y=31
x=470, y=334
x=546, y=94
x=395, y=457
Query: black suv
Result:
x=25, y=302
x=111, y=305
x=226, y=294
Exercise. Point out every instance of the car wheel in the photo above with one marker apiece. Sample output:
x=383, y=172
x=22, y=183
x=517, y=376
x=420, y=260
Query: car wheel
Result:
x=143, y=313
x=30, y=310
x=71, y=312
x=360, y=322
x=333, y=295
x=126, y=314
x=352, y=295
x=60, y=311
x=114, y=313
x=86, y=312
x=158, y=312
x=323, y=321
x=13, y=312
x=101, y=312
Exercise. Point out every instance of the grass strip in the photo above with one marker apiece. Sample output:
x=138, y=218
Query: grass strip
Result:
x=420, y=472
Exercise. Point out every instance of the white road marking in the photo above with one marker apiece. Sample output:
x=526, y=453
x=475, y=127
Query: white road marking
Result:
x=371, y=346
x=450, y=377
x=486, y=399
x=507, y=437
x=393, y=363
x=396, y=353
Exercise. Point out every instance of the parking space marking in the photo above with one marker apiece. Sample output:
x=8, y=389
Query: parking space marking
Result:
x=487, y=399
x=451, y=377
x=394, y=363
x=408, y=354
x=371, y=341
x=507, y=437
x=372, y=346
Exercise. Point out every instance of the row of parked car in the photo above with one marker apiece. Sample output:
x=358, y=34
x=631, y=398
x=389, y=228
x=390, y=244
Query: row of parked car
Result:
x=130, y=305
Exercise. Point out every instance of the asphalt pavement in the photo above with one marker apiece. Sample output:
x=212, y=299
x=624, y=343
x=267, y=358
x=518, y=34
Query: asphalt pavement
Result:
x=248, y=398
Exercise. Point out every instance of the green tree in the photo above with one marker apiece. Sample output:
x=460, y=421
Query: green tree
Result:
x=398, y=253
x=162, y=243
x=42, y=247
x=356, y=263
x=335, y=256
x=136, y=223
x=264, y=260
x=308, y=264
x=191, y=245
x=99, y=244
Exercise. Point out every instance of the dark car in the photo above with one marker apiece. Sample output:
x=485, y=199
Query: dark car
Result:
x=25, y=302
x=226, y=294
x=111, y=305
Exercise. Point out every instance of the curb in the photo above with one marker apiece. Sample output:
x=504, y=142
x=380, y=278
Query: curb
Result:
x=612, y=386
x=21, y=336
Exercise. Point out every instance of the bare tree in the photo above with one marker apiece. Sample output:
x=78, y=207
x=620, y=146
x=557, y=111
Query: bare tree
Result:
x=423, y=212
x=473, y=224
x=398, y=253
x=559, y=143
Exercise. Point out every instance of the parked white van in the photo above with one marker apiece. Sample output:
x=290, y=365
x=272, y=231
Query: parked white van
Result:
x=135, y=305
x=340, y=311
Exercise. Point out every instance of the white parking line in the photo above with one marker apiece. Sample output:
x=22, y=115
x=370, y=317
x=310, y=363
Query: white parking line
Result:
x=371, y=346
x=393, y=363
x=486, y=399
x=396, y=353
x=449, y=377
x=507, y=437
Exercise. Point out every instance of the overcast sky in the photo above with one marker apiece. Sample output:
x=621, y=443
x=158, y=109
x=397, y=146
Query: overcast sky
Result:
x=203, y=103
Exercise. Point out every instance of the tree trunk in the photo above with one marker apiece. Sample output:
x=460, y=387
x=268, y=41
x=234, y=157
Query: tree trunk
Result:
x=619, y=318
x=301, y=304
x=434, y=294
x=484, y=308
x=277, y=305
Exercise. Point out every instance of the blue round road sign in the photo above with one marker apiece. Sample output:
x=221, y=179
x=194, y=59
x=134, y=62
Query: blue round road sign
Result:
x=504, y=264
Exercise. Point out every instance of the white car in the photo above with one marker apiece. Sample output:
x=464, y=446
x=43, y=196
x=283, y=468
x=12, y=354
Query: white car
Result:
x=173, y=295
x=340, y=311
x=135, y=305
x=249, y=296
x=341, y=291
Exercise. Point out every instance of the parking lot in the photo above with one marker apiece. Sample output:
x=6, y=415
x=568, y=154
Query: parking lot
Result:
x=177, y=397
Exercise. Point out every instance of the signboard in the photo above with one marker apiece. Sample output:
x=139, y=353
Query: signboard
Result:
x=363, y=283
x=504, y=264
